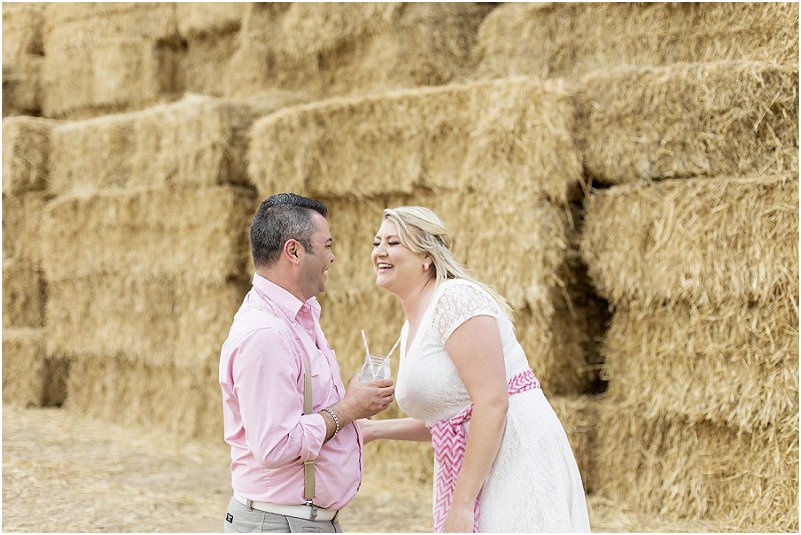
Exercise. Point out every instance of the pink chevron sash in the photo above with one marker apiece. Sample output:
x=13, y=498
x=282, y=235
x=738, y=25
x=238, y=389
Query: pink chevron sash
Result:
x=449, y=440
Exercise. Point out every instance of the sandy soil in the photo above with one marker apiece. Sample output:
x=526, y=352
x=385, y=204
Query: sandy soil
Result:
x=67, y=472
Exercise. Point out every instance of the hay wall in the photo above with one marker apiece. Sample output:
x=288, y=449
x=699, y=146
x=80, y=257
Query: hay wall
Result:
x=336, y=49
x=701, y=417
x=570, y=40
x=683, y=121
x=147, y=257
x=22, y=58
x=145, y=248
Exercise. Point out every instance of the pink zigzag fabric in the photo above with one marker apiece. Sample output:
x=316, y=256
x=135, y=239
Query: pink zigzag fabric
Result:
x=450, y=440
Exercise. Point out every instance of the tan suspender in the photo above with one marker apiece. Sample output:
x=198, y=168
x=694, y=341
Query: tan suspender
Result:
x=308, y=408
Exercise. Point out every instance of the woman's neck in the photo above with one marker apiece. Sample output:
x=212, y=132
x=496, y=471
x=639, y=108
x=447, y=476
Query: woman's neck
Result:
x=415, y=300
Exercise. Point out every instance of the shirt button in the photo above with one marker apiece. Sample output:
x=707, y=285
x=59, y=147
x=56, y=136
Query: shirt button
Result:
x=309, y=331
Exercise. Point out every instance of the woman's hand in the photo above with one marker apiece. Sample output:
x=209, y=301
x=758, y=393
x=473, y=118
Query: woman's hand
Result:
x=367, y=428
x=459, y=519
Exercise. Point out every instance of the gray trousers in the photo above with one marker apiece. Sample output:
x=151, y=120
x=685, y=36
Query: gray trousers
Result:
x=241, y=519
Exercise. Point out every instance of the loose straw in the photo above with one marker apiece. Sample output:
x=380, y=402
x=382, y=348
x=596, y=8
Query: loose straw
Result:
x=364, y=339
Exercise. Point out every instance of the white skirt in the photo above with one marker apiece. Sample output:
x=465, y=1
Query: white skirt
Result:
x=534, y=484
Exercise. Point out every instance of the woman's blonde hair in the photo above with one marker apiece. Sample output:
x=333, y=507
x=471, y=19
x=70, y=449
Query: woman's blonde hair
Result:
x=421, y=231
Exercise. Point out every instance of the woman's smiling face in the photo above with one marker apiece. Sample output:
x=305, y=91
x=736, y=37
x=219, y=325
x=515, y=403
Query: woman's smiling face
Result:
x=396, y=267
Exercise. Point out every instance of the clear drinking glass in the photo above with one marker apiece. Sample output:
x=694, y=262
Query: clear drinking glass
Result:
x=374, y=367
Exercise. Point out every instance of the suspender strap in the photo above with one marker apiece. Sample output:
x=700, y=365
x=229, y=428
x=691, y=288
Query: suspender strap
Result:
x=308, y=408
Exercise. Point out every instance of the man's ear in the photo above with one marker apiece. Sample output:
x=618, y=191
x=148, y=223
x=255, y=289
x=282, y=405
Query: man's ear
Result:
x=292, y=250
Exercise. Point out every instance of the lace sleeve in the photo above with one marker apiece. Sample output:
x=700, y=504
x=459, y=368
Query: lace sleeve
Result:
x=457, y=304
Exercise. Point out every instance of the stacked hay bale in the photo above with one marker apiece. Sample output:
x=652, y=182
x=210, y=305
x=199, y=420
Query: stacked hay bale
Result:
x=146, y=255
x=572, y=39
x=497, y=161
x=209, y=34
x=695, y=246
x=335, y=49
x=29, y=377
x=22, y=58
x=108, y=57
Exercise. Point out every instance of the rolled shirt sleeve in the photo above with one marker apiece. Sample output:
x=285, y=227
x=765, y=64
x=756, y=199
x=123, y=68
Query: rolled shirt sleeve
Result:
x=268, y=379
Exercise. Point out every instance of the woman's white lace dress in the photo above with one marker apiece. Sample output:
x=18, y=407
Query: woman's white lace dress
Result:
x=534, y=484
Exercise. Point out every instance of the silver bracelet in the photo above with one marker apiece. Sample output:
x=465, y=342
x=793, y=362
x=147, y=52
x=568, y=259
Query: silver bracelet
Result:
x=336, y=421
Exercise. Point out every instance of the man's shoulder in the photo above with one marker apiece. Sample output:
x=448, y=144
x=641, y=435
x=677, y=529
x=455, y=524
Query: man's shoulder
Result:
x=256, y=321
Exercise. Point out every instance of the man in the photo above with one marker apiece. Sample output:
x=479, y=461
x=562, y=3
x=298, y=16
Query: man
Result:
x=296, y=459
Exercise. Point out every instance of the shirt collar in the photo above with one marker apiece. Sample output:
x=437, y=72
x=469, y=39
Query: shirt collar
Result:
x=287, y=302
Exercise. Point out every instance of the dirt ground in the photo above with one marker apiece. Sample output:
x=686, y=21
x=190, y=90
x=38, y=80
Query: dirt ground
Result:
x=64, y=472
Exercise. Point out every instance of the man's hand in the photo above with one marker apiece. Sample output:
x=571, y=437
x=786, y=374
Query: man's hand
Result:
x=361, y=400
x=370, y=398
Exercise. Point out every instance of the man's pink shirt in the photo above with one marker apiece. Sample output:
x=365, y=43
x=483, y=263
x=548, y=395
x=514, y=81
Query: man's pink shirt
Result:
x=261, y=374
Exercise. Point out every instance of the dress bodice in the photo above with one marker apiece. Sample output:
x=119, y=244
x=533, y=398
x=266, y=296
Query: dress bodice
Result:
x=428, y=386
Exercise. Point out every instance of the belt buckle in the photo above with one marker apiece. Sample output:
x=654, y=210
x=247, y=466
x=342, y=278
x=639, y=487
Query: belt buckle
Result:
x=313, y=510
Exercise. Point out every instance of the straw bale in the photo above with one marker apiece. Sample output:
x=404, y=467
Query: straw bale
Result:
x=483, y=136
x=22, y=231
x=650, y=244
x=26, y=147
x=579, y=417
x=203, y=19
x=154, y=319
x=337, y=49
x=22, y=31
x=109, y=75
x=108, y=57
x=572, y=39
x=22, y=87
x=183, y=400
x=517, y=247
x=725, y=118
x=23, y=366
x=183, y=231
x=29, y=378
x=199, y=141
x=732, y=363
x=24, y=295
x=87, y=21
x=201, y=62
x=705, y=471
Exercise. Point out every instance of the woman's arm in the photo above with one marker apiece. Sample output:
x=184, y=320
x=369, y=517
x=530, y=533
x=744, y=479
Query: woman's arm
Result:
x=476, y=350
x=395, y=429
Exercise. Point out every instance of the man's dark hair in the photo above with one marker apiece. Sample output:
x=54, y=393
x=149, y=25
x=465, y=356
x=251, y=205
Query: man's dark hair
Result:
x=282, y=217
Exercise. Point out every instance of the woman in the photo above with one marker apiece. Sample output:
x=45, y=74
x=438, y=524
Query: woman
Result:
x=502, y=460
